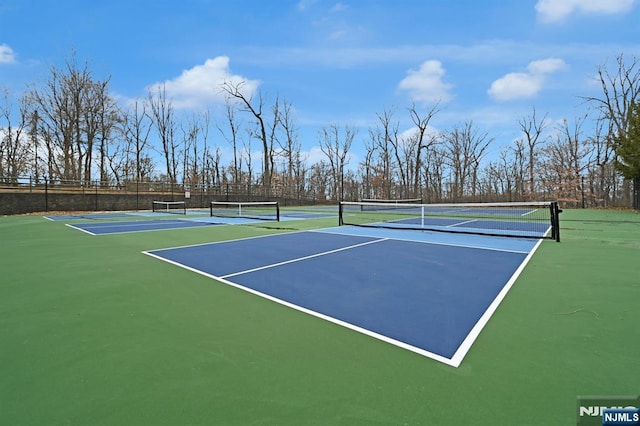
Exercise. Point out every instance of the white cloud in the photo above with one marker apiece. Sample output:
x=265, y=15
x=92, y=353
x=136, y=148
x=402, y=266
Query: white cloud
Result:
x=515, y=85
x=412, y=132
x=6, y=54
x=557, y=10
x=425, y=84
x=518, y=85
x=314, y=155
x=546, y=66
x=200, y=86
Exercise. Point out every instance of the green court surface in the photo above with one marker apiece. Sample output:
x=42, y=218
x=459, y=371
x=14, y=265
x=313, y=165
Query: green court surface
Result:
x=93, y=332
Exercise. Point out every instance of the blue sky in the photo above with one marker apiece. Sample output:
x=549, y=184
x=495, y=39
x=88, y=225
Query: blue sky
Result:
x=336, y=62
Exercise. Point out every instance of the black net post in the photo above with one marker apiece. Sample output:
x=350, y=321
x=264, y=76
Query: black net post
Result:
x=340, y=209
x=555, y=220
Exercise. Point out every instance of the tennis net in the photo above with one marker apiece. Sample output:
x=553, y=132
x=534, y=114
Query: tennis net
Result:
x=261, y=210
x=519, y=219
x=176, y=207
x=366, y=202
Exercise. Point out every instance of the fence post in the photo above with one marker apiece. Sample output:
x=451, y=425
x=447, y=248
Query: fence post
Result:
x=636, y=193
x=46, y=194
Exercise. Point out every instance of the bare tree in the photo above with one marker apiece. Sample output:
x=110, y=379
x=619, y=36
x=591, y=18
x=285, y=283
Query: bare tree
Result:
x=620, y=90
x=602, y=174
x=367, y=170
x=205, y=120
x=248, y=153
x=319, y=180
x=235, y=91
x=289, y=144
x=464, y=148
x=212, y=161
x=335, y=146
x=190, y=136
x=422, y=140
x=433, y=171
x=532, y=129
x=381, y=179
x=15, y=151
x=136, y=128
x=74, y=112
x=164, y=122
x=505, y=173
x=564, y=161
x=519, y=151
x=300, y=172
x=107, y=118
x=391, y=138
x=232, y=139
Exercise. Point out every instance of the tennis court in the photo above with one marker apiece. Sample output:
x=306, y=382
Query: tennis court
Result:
x=429, y=294
x=119, y=227
x=95, y=332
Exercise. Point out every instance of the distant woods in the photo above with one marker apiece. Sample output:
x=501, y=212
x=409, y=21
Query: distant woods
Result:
x=72, y=128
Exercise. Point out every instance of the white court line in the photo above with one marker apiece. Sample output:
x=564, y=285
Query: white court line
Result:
x=227, y=241
x=457, y=358
x=273, y=265
x=462, y=223
x=316, y=314
x=79, y=229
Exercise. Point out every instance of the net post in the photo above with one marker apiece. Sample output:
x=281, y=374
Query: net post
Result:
x=555, y=219
x=278, y=211
x=340, y=209
x=210, y=208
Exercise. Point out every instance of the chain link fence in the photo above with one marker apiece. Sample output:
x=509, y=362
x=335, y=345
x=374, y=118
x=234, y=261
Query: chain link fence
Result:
x=31, y=195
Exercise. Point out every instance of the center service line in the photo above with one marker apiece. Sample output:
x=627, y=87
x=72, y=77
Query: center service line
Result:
x=303, y=258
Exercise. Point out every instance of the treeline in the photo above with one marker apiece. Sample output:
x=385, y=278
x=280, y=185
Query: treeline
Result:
x=71, y=128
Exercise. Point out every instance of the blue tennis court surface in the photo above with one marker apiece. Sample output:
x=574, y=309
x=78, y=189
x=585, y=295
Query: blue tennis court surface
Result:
x=119, y=227
x=430, y=293
x=94, y=216
x=102, y=228
x=481, y=225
